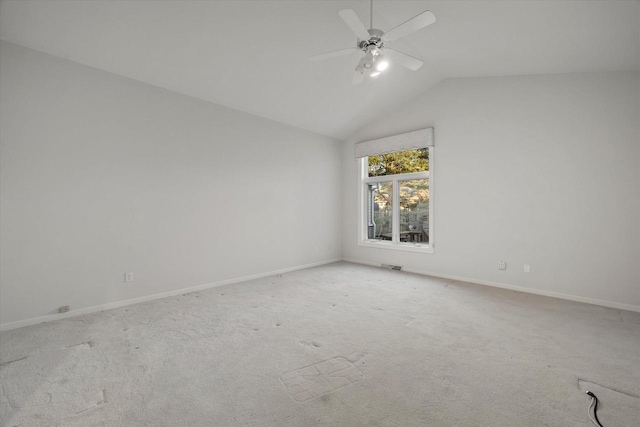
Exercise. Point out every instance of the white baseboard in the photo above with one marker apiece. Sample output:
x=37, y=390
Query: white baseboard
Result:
x=604, y=303
x=51, y=317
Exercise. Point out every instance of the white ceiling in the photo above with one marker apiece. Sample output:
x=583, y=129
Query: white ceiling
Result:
x=252, y=55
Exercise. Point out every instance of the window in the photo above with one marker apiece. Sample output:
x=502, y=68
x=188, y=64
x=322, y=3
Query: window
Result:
x=396, y=199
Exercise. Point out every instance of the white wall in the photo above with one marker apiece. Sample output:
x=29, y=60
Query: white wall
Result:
x=102, y=175
x=542, y=170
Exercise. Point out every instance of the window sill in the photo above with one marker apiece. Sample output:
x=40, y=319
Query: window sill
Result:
x=424, y=248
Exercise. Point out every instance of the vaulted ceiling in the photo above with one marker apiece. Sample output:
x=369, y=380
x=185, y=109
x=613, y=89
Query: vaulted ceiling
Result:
x=253, y=55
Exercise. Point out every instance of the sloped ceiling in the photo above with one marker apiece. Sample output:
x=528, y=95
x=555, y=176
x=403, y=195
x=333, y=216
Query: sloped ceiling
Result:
x=252, y=55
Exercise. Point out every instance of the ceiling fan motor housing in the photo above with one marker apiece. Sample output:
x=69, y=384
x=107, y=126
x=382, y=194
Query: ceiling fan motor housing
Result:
x=375, y=40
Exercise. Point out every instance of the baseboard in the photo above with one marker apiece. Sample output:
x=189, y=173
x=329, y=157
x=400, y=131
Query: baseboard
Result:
x=603, y=303
x=86, y=310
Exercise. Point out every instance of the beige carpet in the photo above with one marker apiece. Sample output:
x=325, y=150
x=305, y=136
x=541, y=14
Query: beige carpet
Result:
x=338, y=345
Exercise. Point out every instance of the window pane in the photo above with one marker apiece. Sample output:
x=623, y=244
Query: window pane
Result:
x=414, y=210
x=379, y=212
x=407, y=161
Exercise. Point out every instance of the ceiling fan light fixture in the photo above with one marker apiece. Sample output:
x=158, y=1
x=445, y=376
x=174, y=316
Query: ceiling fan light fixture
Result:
x=372, y=63
x=370, y=58
x=381, y=63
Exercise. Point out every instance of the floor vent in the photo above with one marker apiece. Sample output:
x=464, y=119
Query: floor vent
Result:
x=391, y=266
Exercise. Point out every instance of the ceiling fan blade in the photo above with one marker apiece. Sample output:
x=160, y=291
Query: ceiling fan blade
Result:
x=405, y=60
x=358, y=78
x=413, y=24
x=351, y=19
x=333, y=54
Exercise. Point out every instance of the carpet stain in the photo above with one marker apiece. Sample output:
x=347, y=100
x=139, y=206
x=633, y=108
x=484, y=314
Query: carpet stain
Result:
x=408, y=319
x=355, y=356
x=320, y=379
x=101, y=401
x=89, y=344
x=13, y=361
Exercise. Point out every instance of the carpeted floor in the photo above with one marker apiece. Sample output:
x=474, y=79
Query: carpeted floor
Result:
x=337, y=345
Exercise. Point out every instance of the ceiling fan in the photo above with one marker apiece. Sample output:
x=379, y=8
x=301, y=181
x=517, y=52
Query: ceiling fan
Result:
x=372, y=43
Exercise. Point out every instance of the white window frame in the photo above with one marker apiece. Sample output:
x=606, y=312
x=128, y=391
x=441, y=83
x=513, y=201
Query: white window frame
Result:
x=395, y=244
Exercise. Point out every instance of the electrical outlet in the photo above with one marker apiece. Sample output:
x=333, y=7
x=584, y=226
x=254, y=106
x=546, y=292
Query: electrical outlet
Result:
x=128, y=277
x=63, y=309
x=527, y=268
x=502, y=265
